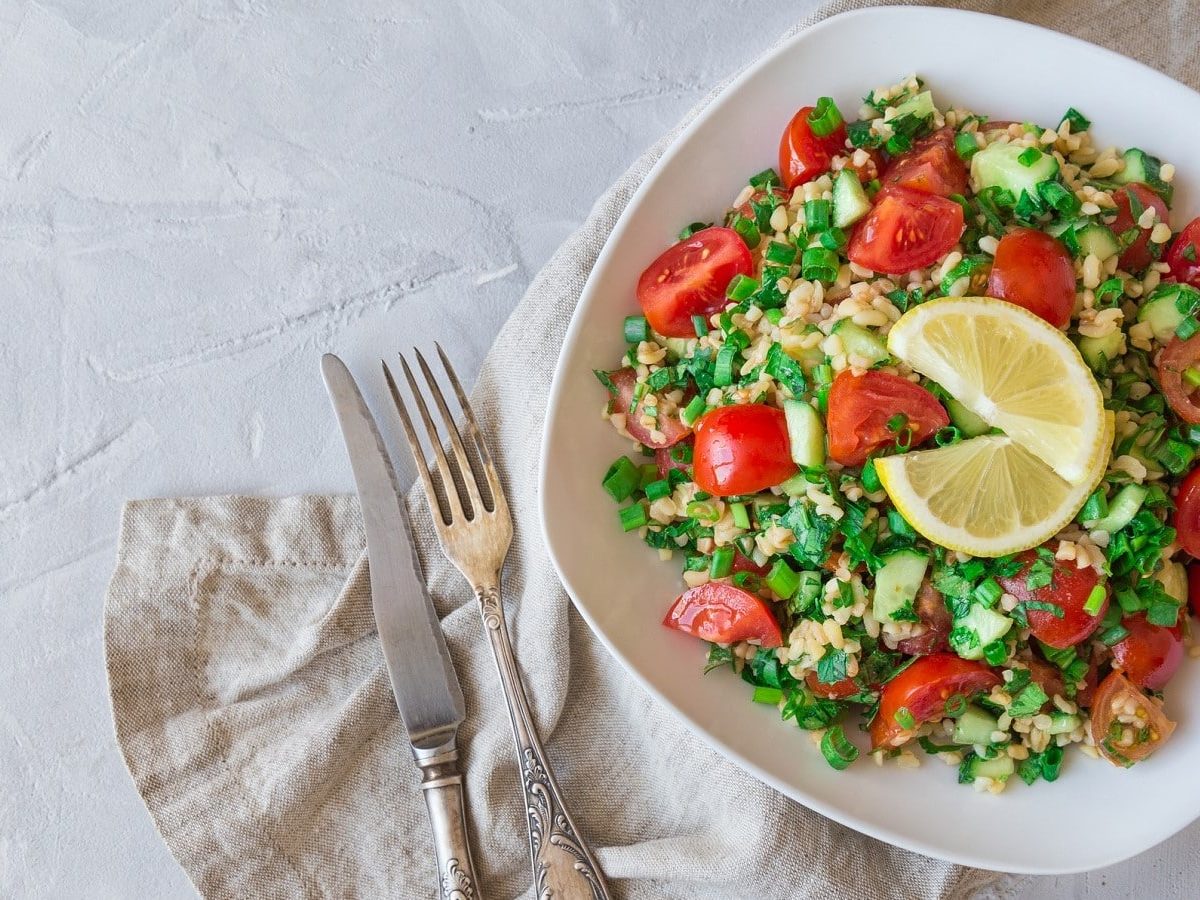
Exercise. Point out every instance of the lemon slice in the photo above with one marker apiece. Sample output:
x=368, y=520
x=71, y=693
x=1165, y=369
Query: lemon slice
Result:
x=1013, y=370
x=987, y=496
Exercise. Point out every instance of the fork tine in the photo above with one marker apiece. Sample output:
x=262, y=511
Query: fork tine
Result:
x=456, y=444
x=443, y=465
x=485, y=456
x=413, y=444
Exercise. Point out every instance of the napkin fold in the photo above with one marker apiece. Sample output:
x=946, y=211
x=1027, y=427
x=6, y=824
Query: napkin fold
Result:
x=253, y=710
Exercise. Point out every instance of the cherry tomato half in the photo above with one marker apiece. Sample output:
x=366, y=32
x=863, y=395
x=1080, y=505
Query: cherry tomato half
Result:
x=1137, y=255
x=1150, y=654
x=1187, y=516
x=905, y=230
x=1174, y=360
x=1034, y=270
x=689, y=279
x=861, y=406
x=1184, y=255
x=671, y=428
x=923, y=689
x=666, y=458
x=932, y=166
x=1193, y=573
x=741, y=449
x=1047, y=676
x=802, y=155
x=724, y=614
x=1120, y=746
x=931, y=610
x=838, y=690
x=1068, y=590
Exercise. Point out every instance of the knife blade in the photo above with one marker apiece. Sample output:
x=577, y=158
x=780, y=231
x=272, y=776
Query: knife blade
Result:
x=424, y=683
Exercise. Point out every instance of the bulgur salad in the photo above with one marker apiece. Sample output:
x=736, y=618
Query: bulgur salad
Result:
x=919, y=418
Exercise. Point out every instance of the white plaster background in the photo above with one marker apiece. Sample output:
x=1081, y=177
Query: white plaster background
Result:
x=200, y=197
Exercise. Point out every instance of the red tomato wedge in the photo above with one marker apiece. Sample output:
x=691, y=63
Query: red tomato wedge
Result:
x=1047, y=676
x=905, y=229
x=931, y=166
x=1184, y=255
x=1173, y=361
x=1193, y=573
x=1137, y=255
x=665, y=460
x=741, y=449
x=838, y=690
x=671, y=428
x=689, y=279
x=802, y=155
x=931, y=610
x=1150, y=654
x=1119, y=746
x=860, y=407
x=1187, y=523
x=724, y=614
x=1034, y=270
x=1068, y=590
x=923, y=689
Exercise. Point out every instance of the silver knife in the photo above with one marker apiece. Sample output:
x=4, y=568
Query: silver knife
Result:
x=427, y=691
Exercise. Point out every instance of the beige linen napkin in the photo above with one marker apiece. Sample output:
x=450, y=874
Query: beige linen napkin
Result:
x=254, y=714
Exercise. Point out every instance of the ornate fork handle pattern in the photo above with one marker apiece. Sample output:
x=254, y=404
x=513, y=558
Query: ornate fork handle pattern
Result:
x=563, y=866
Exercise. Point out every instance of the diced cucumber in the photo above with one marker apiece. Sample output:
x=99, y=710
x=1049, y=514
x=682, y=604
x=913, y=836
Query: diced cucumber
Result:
x=1063, y=723
x=978, y=628
x=806, y=432
x=1098, y=240
x=897, y=583
x=965, y=420
x=999, y=767
x=1161, y=311
x=1121, y=509
x=850, y=201
x=1141, y=166
x=808, y=357
x=677, y=347
x=919, y=105
x=857, y=341
x=1099, y=352
x=1173, y=578
x=974, y=726
x=997, y=165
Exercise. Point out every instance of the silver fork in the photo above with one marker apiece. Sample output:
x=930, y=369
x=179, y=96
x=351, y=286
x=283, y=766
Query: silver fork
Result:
x=476, y=539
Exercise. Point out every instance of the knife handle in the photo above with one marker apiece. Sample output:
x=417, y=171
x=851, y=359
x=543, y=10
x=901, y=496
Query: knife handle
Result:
x=441, y=783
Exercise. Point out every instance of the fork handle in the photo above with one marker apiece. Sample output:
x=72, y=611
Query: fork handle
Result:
x=441, y=783
x=563, y=865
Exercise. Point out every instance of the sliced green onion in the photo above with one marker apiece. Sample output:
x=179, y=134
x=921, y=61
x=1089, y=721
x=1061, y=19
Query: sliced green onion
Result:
x=768, y=695
x=621, y=479
x=693, y=411
x=1113, y=635
x=816, y=214
x=1187, y=327
x=995, y=653
x=819, y=264
x=747, y=228
x=1175, y=456
x=833, y=239
x=633, y=517
x=823, y=374
x=1051, y=761
x=838, y=751
x=722, y=562
x=944, y=437
x=896, y=422
x=1095, y=600
x=741, y=516
x=723, y=367
x=647, y=475
x=703, y=510
x=825, y=117
x=774, y=316
x=637, y=329
x=741, y=287
x=870, y=478
x=988, y=592
x=656, y=490
x=965, y=145
x=955, y=706
x=780, y=253
x=904, y=718
x=1029, y=156
x=783, y=580
x=700, y=326
x=1061, y=200
x=1192, y=376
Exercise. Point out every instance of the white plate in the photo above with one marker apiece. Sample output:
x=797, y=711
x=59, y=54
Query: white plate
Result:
x=1095, y=814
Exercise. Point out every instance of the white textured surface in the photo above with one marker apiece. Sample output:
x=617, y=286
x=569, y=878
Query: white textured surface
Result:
x=198, y=199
